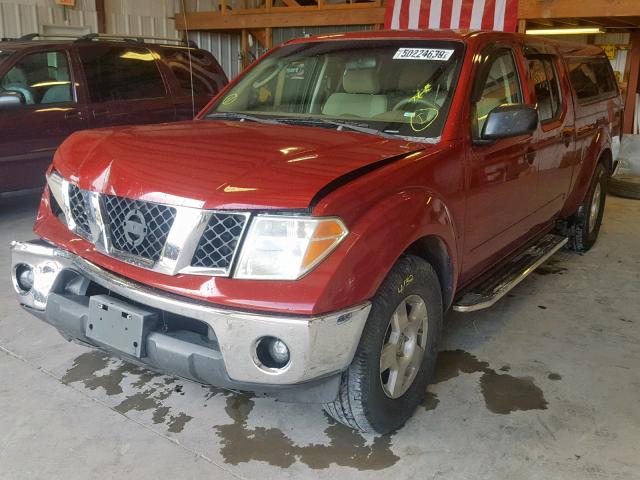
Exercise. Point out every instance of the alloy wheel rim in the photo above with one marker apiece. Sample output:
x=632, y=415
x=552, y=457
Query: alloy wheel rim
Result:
x=404, y=346
x=595, y=207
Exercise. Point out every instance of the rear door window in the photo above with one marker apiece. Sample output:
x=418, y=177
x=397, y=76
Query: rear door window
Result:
x=592, y=79
x=544, y=78
x=40, y=78
x=121, y=73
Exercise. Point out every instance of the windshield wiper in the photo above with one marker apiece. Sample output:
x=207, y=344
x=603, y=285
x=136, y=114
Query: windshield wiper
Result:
x=340, y=125
x=242, y=117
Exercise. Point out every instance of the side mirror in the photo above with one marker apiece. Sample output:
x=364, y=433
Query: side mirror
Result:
x=509, y=121
x=11, y=100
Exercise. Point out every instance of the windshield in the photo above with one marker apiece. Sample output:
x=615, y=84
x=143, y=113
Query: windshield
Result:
x=386, y=87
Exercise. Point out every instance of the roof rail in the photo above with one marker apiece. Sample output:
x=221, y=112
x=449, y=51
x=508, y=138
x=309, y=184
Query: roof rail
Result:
x=136, y=39
x=99, y=36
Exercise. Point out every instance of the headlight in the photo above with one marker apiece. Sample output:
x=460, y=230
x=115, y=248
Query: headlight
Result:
x=285, y=248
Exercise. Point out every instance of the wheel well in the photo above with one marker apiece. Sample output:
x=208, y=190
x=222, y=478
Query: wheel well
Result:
x=606, y=158
x=433, y=250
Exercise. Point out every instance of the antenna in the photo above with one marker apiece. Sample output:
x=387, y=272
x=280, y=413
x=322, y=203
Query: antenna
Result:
x=186, y=30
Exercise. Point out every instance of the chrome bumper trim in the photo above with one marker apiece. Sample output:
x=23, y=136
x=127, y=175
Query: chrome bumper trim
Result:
x=319, y=345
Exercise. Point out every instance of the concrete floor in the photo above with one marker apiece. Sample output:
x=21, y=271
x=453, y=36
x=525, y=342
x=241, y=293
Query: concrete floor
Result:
x=545, y=385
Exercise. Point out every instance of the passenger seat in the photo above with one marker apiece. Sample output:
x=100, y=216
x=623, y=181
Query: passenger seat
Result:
x=59, y=93
x=361, y=96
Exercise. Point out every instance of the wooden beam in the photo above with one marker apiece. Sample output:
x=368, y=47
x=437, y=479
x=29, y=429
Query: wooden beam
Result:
x=244, y=55
x=301, y=17
x=633, y=60
x=268, y=37
x=101, y=16
x=569, y=8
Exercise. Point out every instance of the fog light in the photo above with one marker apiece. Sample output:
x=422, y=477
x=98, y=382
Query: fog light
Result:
x=272, y=352
x=24, y=277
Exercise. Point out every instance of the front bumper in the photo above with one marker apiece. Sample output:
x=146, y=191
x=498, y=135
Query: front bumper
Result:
x=320, y=347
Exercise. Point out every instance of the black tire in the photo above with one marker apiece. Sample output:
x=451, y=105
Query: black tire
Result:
x=362, y=403
x=627, y=186
x=583, y=229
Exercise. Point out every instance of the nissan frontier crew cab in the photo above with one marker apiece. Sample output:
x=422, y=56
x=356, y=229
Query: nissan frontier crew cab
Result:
x=303, y=237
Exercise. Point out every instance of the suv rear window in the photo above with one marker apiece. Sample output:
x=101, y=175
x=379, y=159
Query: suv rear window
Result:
x=592, y=79
x=207, y=78
x=121, y=73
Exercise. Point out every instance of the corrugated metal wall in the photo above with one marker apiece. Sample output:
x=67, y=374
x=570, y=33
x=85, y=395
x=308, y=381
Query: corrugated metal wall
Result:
x=20, y=17
x=226, y=47
x=283, y=34
x=154, y=18
x=151, y=18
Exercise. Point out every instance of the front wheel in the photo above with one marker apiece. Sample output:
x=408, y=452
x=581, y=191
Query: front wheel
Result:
x=397, y=352
x=585, y=224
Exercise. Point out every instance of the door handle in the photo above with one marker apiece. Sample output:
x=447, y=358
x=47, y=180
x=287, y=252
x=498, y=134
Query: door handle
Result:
x=100, y=113
x=74, y=115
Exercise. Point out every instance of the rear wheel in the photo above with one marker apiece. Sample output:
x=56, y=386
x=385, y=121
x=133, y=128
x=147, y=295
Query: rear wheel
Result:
x=396, y=355
x=584, y=226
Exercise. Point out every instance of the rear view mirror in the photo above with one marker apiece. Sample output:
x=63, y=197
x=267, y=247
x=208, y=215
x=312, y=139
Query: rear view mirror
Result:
x=509, y=121
x=11, y=100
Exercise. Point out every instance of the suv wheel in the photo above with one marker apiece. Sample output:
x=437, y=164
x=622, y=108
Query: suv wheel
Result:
x=585, y=224
x=394, y=361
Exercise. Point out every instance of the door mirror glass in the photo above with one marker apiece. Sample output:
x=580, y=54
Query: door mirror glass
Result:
x=11, y=100
x=509, y=121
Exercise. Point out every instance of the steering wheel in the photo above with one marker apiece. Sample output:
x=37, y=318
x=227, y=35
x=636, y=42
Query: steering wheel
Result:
x=268, y=78
x=420, y=101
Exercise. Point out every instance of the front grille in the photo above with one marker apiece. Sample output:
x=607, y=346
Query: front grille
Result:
x=136, y=227
x=219, y=241
x=78, y=207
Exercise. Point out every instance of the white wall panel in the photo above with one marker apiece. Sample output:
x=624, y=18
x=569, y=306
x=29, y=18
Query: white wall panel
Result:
x=20, y=17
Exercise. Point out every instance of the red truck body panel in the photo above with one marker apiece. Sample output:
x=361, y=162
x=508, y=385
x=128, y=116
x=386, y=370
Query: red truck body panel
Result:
x=479, y=202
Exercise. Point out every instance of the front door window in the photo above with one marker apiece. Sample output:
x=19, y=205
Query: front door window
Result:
x=40, y=78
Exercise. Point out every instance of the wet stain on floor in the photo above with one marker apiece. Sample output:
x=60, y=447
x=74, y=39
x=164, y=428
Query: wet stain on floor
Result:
x=345, y=447
x=503, y=393
x=550, y=268
x=97, y=369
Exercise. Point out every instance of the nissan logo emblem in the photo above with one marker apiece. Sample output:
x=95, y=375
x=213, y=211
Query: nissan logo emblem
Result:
x=135, y=227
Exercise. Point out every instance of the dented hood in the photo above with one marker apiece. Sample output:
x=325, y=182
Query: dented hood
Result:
x=221, y=164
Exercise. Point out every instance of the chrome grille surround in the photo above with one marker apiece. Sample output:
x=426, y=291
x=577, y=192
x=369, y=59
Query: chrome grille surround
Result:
x=176, y=231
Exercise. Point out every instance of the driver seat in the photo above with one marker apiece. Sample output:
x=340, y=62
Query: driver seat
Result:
x=361, y=96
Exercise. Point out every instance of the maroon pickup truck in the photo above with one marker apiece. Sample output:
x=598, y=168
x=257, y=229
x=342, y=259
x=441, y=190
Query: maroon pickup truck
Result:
x=304, y=236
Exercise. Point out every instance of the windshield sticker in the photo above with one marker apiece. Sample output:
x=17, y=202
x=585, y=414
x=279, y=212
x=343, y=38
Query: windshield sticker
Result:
x=420, y=93
x=423, y=54
x=423, y=118
x=229, y=99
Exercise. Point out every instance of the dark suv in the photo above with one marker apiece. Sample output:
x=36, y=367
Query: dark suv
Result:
x=50, y=89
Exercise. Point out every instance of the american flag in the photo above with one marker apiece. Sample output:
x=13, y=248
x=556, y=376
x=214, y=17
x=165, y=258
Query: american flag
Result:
x=455, y=14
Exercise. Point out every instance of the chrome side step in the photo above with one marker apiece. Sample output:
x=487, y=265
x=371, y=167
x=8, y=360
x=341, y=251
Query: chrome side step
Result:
x=495, y=285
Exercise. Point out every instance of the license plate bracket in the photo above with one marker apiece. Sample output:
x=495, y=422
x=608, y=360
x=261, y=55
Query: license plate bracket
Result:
x=119, y=325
